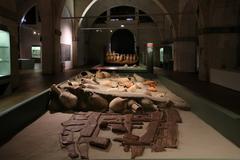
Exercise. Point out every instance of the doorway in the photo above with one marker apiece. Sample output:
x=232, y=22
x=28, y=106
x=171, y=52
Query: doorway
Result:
x=166, y=57
x=122, y=42
x=30, y=57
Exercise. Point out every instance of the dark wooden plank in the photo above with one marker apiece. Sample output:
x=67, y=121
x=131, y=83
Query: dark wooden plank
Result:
x=142, y=118
x=83, y=150
x=79, y=117
x=128, y=125
x=148, y=137
x=72, y=151
x=172, y=135
x=66, y=138
x=74, y=122
x=128, y=122
x=119, y=128
x=158, y=146
x=91, y=125
x=75, y=128
x=173, y=115
x=137, y=151
x=100, y=142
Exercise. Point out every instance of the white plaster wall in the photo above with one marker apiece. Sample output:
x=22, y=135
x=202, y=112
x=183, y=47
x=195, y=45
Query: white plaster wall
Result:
x=66, y=36
x=27, y=40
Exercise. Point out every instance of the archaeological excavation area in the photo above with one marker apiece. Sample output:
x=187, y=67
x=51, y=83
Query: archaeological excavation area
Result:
x=119, y=79
x=106, y=115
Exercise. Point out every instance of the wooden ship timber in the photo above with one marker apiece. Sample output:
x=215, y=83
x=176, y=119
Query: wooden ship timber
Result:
x=121, y=59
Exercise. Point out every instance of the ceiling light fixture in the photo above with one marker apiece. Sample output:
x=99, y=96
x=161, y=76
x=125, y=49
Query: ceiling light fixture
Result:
x=129, y=19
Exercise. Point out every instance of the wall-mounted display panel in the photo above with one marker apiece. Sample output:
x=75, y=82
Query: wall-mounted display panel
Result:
x=5, y=57
x=161, y=54
x=36, y=52
x=65, y=52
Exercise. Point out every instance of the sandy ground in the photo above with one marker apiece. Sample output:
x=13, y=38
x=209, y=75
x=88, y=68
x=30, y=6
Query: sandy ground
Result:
x=39, y=141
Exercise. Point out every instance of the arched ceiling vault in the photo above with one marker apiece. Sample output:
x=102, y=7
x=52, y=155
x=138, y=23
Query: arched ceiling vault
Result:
x=96, y=7
x=187, y=22
x=23, y=8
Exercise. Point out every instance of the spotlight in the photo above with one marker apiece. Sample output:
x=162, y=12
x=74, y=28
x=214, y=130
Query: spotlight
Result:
x=111, y=31
x=122, y=26
x=34, y=32
x=129, y=19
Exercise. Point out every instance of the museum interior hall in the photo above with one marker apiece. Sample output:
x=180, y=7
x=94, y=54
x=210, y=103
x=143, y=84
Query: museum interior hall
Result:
x=119, y=79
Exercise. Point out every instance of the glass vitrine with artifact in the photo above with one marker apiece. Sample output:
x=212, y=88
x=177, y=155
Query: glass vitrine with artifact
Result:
x=5, y=62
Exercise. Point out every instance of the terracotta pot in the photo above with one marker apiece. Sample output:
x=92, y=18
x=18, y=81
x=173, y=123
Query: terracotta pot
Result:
x=118, y=104
x=97, y=102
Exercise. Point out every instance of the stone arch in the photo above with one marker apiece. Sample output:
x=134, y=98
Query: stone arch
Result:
x=187, y=23
x=137, y=4
x=170, y=19
x=23, y=8
x=153, y=8
x=117, y=5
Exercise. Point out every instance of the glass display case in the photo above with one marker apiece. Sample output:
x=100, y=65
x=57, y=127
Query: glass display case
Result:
x=36, y=52
x=5, y=63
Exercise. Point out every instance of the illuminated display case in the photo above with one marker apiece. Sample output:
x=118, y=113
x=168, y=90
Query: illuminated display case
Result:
x=36, y=52
x=5, y=62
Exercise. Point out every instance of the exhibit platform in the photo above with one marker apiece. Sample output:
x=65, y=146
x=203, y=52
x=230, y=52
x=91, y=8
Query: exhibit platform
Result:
x=208, y=132
x=226, y=78
x=129, y=69
x=40, y=141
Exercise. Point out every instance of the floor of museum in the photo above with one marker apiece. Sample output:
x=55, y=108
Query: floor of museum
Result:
x=40, y=141
x=197, y=139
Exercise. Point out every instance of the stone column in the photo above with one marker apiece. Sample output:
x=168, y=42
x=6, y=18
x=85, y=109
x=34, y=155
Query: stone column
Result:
x=57, y=52
x=74, y=53
x=219, y=48
x=184, y=56
x=203, y=61
x=47, y=36
x=50, y=37
x=14, y=55
x=218, y=36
